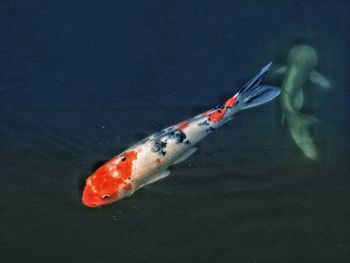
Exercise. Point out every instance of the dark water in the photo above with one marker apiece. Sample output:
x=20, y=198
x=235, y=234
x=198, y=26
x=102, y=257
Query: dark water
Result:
x=82, y=80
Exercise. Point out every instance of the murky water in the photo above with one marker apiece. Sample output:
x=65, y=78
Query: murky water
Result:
x=80, y=82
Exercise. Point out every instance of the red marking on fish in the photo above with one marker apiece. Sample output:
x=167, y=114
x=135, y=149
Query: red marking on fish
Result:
x=104, y=185
x=231, y=102
x=219, y=114
x=183, y=125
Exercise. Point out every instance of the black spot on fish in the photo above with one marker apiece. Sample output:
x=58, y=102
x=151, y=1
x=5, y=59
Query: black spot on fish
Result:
x=182, y=137
x=203, y=124
x=159, y=146
x=161, y=139
x=179, y=136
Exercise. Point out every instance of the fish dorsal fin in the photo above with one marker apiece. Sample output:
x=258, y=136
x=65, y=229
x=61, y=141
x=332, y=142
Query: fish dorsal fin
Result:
x=187, y=154
x=319, y=80
x=156, y=177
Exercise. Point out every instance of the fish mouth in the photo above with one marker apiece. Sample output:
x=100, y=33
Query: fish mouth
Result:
x=86, y=199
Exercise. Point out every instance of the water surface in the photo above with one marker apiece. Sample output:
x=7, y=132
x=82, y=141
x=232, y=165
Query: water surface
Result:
x=80, y=82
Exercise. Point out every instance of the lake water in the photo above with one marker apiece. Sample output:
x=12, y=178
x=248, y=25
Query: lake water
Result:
x=81, y=81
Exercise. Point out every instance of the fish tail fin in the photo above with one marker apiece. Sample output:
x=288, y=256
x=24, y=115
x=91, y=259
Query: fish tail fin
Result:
x=253, y=94
x=299, y=126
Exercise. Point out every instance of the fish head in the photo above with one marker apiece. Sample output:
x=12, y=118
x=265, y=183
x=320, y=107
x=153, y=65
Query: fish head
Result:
x=110, y=183
x=303, y=56
x=98, y=191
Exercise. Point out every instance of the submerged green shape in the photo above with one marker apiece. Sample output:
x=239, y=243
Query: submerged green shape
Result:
x=302, y=61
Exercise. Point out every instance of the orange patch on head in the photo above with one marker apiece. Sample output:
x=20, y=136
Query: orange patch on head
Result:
x=158, y=161
x=102, y=187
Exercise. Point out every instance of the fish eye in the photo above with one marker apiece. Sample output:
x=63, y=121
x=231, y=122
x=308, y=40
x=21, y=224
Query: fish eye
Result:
x=105, y=196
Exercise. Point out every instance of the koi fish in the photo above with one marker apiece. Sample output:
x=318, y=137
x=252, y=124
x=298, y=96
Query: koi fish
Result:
x=148, y=160
x=302, y=61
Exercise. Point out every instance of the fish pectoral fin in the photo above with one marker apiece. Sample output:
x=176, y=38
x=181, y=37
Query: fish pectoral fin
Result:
x=156, y=177
x=319, y=80
x=310, y=120
x=187, y=154
x=304, y=120
x=281, y=70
